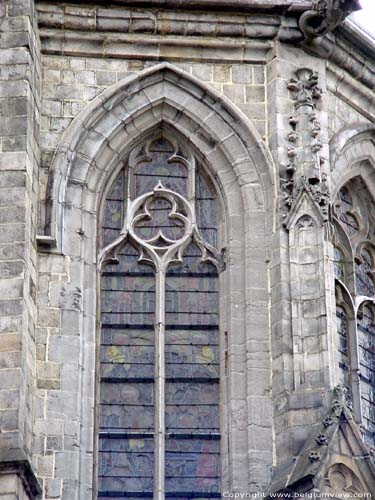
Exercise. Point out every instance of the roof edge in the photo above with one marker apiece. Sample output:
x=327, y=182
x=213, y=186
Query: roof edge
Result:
x=239, y=6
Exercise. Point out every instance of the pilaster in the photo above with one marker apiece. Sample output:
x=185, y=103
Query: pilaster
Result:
x=19, y=158
x=301, y=284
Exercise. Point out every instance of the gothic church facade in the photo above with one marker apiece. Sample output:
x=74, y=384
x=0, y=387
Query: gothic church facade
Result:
x=187, y=249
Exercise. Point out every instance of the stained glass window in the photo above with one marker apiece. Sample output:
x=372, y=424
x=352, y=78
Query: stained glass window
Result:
x=344, y=211
x=366, y=351
x=357, y=221
x=159, y=430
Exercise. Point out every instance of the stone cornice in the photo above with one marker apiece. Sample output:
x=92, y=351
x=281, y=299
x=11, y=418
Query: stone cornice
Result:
x=128, y=32
x=217, y=5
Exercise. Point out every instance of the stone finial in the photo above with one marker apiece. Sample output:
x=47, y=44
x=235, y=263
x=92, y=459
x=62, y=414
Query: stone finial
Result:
x=325, y=15
x=303, y=170
x=305, y=87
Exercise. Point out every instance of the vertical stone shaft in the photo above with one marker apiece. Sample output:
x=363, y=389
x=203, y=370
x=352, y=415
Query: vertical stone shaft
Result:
x=19, y=159
x=159, y=384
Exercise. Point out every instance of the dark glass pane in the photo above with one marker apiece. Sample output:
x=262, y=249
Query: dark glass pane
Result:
x=192, y=465
x=160, y=167
x=338, y=262
x=192, y=384
x=366, y=341
x=126, y=374
x=206, y=211
x=344, y=207
x=191, y=293
x=342, y=329
x=192, y=361
x=126, y=411
x=365, y=283
x=113, y=214
x=128, y=292
x=187, y=417
x=126, y=406
x=125, y=464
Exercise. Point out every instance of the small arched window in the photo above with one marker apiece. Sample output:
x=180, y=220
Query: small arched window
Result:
x=356, y=331
x=158, y=422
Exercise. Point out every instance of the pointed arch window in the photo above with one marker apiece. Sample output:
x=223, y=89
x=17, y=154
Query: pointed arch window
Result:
x=354, y=259
x=158, y=423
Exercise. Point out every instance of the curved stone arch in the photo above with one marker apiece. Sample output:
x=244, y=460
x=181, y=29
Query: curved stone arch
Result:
x=91, y=153
x=352, y=152
x=99, y=136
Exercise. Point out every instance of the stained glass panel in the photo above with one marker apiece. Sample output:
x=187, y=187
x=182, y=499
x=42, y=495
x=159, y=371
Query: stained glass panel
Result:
x=342, y=329
x=344, y=207
x=206, y=211
x=125, y=464
x=192, y=385
x=160, y=165
x=127, y=377
x=193, y=465
x=338, y=263
x=128, y=399
x=365, y=283
x=366, y=344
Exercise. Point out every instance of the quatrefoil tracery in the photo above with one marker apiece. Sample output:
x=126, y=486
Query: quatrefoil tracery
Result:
x=160, y=250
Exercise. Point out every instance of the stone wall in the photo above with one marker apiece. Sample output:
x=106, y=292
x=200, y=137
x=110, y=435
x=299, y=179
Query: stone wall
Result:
x=20, y=74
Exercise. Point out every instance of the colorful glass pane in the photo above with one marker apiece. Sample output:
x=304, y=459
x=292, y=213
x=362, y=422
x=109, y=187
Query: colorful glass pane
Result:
x=127, y=377
x=125, y=464
x=192, y=384
x=366, y=351
x=127, y=351
x=364, y=282
x=344, y=206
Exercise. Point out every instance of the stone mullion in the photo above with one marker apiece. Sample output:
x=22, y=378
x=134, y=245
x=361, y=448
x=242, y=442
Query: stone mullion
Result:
x=159, y=391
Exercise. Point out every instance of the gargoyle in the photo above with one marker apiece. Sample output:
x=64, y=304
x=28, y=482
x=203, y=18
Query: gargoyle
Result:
x=325, y=15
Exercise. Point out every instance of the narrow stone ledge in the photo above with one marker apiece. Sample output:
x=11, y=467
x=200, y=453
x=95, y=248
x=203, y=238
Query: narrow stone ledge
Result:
x=23, y=470
x=132, y=46
x=13, y=461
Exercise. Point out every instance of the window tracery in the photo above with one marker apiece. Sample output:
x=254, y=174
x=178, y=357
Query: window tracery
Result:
x=356, y=337
x=159, y=429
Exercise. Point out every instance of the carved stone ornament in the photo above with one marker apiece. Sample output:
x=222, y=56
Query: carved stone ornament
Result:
x=303, y=173
x=325, y=15
x=314, y=456
x=321, y=439
x=305, y=86
x=341, y=481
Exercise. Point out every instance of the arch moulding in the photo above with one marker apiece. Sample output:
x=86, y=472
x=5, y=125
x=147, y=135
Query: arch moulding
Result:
x=103, y=132
x=89, y=157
